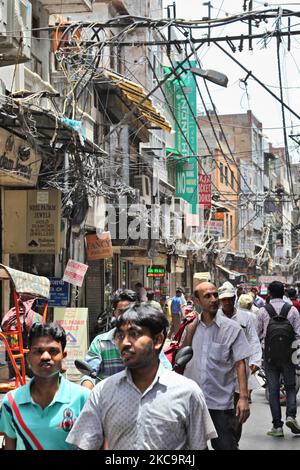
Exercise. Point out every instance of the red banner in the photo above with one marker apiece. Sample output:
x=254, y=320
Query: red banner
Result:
x=205, y=190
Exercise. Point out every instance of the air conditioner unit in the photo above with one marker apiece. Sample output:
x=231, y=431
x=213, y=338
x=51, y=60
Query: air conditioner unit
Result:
x=175, y=225
x=155, y=221
x=143, y=183
x=15, y=31
x=180, y=205
x=173, y=228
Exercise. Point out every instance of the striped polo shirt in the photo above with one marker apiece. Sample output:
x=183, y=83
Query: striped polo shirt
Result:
x=36, y=428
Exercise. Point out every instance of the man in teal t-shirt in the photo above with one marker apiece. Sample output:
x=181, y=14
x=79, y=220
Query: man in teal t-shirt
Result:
x=39, y=415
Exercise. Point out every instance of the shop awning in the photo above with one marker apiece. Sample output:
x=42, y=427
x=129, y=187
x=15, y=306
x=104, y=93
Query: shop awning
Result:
x=205, y=276
x=136, y=95
x=232, y=274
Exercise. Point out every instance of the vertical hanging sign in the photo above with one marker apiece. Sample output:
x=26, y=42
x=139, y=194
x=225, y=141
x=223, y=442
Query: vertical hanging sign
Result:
x=205, y=190
x=186, y=141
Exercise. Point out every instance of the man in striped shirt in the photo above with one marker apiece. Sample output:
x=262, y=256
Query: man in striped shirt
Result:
x=103, y=355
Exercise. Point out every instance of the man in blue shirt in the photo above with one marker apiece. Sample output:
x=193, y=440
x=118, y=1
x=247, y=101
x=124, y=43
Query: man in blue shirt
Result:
x=176, y=312
x=258, y=301
x=40, y=414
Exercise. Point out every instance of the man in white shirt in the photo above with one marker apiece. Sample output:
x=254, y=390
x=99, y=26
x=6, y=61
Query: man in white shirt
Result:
x=244, y=319
x=220, y=347
x=243, y=316
x=145, y=407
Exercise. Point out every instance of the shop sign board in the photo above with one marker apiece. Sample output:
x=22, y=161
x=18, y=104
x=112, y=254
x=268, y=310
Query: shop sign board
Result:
x=43, y=224
x=75, y=272
x=205, y=190
x=156, y=271
x=269, y=279
x=214, y=226
x=98, y=247
x=59, y=292
x=75, y=323
x=186, y=141
x=32, y=221
x=19, y=162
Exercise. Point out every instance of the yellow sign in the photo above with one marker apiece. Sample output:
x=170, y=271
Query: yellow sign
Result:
x=43, y=226
x=75, y=323
x=19, y=162
x=32, y=221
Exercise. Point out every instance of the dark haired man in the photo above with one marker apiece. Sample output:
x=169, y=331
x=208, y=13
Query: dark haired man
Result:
x=141, y=292
x=103, y=355
x=176, y=311
x=220, y=348
x=292, y=295
x=273, y=371
x=40, y=414
x=227, y=297
x=145, y=407
x=258, y=301
x=152, y=301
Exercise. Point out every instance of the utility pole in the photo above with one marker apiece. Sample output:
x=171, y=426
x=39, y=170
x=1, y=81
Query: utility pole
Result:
x=169, y=32
x=170, y=27
x=209, y=7
x=250, y=26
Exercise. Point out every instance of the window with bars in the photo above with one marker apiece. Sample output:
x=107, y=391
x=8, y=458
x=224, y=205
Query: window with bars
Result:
x=226, y=174
x=232, y=179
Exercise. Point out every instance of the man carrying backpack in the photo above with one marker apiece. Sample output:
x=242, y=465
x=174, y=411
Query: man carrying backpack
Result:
x=278, y=325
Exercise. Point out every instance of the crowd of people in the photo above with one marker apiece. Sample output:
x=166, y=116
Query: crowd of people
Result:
x=134, y=401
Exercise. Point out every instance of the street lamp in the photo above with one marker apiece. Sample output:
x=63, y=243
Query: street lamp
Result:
x=211, y=75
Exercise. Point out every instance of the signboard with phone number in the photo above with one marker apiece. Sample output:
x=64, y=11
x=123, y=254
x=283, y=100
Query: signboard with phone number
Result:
x=59, y=292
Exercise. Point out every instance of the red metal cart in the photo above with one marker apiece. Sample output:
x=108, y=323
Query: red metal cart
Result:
x=37, y=287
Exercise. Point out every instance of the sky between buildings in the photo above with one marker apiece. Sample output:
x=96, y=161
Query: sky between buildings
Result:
x=261, y=61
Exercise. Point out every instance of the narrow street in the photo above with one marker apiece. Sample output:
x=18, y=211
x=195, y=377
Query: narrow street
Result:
x=255, y=430
x=149, y=177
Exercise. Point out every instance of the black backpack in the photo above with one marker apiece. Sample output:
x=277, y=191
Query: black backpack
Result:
x=279, y=336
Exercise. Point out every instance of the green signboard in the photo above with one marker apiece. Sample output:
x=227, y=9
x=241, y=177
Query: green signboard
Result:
x=186, y=139
x=156, y=271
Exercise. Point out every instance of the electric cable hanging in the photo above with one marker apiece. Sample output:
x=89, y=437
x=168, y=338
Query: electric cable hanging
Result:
x=287, y=156
x=220, y=125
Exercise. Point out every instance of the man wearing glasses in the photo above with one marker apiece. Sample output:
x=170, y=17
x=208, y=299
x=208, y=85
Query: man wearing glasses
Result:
x=103, y=355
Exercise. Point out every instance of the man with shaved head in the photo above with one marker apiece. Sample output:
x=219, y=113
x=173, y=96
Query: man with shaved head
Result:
x=220, y=348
